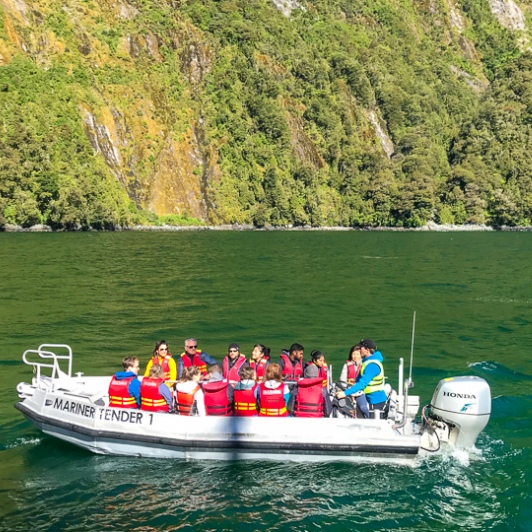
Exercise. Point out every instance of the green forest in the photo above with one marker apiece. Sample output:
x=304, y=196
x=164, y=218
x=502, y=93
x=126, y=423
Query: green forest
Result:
x=382, y=113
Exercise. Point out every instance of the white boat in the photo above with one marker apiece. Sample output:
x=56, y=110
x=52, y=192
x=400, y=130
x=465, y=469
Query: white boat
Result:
x=75, y=408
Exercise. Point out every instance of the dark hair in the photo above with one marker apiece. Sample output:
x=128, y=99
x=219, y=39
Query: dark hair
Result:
x=263, y=349
x=356, y=347
x=315, y=355
x=159, y=344
x=129, y=362
x=296, y=347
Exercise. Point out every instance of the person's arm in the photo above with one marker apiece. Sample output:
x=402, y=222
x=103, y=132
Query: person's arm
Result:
x=343, y=375
x=134, y=390
x=208, y=359
x=172, y=366
x=327, y=405
x=200, y=403
x=286, y=394
x=167, y=394
x=281, y=363
x=148, y=367
x=180, y=366
x=371, y=371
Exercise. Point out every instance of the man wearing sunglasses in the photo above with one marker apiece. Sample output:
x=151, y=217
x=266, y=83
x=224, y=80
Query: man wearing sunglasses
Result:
x=232, y=364
x=193, y=356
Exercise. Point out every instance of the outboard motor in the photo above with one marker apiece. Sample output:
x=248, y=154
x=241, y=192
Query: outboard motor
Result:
x=464, y=403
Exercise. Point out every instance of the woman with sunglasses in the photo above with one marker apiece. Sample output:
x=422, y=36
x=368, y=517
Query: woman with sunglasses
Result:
x=161, y=355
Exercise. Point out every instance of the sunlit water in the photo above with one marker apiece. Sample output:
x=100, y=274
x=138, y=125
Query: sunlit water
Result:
x=111, y=295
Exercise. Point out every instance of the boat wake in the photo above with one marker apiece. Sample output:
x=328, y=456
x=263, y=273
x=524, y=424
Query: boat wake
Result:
x=21, y=442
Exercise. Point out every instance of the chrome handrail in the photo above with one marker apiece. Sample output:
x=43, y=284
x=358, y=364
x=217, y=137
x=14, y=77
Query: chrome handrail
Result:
x=44, y=352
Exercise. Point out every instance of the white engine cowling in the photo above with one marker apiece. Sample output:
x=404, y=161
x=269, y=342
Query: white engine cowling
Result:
x=466, y=403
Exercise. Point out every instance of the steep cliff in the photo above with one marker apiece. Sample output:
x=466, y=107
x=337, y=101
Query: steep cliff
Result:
x=278, y=112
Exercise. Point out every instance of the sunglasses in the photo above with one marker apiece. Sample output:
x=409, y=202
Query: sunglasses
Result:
x=233, y=350
x=163, y=348
x=191, y=346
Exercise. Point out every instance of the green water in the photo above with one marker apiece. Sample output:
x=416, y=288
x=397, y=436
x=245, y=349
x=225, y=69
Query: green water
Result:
x=114, y=294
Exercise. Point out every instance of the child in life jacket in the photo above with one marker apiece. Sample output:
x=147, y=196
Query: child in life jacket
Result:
x=273, y=394
x=188, y=393
x=245, y=400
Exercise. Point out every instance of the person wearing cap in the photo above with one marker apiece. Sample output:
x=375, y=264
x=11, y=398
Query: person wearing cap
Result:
x=371, y=377
x=232, y=363
x=192, y=356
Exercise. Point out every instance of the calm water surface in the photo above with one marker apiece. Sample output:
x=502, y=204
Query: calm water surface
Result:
x=110, y=295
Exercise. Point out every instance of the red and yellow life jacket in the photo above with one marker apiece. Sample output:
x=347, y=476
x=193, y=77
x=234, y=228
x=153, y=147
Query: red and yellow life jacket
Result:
x=196, y=361
x=323, y=374
x=119, y=396
x=291, y=370
x=245, y=402
x=231, y=374
x=216, y=400
x=352, y=371
x=150, y=397
x=309, y=398
x=185, y=402
x=164, y=363
x=260, y=367
x=272, y=401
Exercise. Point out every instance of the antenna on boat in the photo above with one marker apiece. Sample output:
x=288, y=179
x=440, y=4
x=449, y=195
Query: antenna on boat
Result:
x=410, y=382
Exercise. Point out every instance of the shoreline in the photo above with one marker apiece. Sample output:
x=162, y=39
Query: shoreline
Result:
x=430, y=227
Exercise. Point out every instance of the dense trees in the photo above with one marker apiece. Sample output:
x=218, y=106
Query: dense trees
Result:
x=360, y=114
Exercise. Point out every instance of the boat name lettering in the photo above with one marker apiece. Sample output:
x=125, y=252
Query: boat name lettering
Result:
x=74, y=408
x=123, y=416
x=459, y=395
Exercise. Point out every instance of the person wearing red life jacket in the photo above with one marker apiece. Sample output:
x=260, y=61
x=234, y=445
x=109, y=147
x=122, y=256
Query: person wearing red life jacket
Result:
x=317, y=366
x=218, y=393
x=155, y=395
x=351, y=368
x=260, y=358
x=309, y=398
x=124, y=389
x=245, y=400
x=189, y=398
x=192, y=356
x=273, y=394
x=232, y=363
x=316, y=369
x=161, y=355
x=291, y=362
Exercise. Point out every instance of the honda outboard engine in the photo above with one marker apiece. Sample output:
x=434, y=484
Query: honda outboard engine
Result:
x=463, y=403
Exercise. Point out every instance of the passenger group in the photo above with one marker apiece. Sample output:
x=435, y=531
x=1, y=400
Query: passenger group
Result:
x=196, y=385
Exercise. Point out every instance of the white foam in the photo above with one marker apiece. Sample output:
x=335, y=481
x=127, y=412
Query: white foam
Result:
x=19, y=442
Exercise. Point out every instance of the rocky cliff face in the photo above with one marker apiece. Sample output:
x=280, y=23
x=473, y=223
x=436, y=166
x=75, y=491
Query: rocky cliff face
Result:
x=147, y=81
x=153, y=149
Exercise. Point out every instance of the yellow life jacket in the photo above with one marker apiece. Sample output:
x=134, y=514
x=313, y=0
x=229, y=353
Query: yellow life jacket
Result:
x=377, y=383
